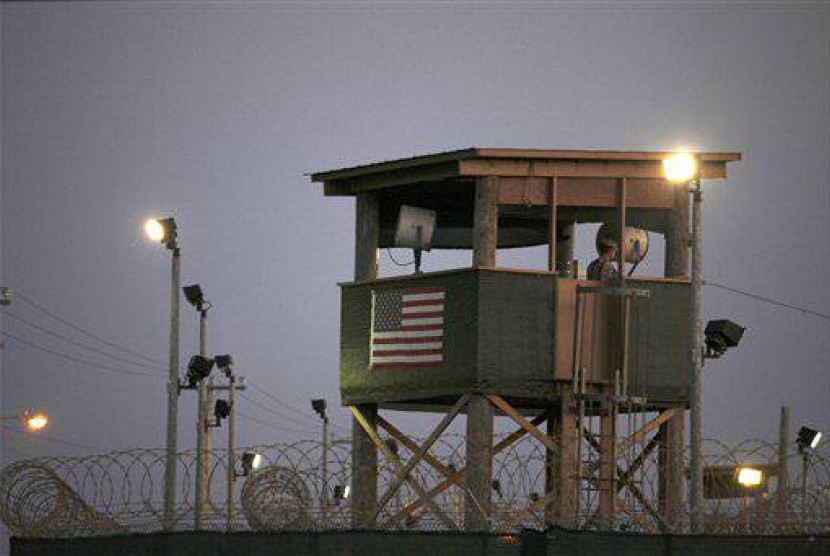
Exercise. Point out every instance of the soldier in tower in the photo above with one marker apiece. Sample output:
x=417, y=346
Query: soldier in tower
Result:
x=602, y=268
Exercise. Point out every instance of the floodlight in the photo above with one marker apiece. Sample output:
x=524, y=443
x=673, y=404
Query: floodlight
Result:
x=36, y=421
x=680, y=167
x=319, y=406
x=414, y=229
x=5, y=296
x=497, y=487
x=221, y=409
x=250, y=461
x=162, y=230
x=808, y=439
x=720, y=336
x=750, y=477
x=340, y=492
x=634, y=244
x=224, y=361
x=225, y=364
x=198, y=369
x=194, y=296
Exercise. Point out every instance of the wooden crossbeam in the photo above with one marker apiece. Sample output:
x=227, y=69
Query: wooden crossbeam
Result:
x=627, y=482
x=421, y=451
x=638, y=461
x=655, y=423
x=517, y=417
x=410, y=444
x=505, y=443
x=396, y=463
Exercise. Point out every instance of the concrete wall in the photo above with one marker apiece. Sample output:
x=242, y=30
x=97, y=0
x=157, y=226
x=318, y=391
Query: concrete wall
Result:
x=557, y=542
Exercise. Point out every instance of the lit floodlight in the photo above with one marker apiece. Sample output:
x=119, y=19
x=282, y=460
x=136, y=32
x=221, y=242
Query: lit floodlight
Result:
x=808, y=439
x=198, y=369
x=36, y=422
x=194, y=296
x=319, y=406
x=680, y=167
x=414, y=229
x=154, y=230
x=750, y=477
x=340, y=492
x=720, y=336
x=162, y=230
x=250, y=462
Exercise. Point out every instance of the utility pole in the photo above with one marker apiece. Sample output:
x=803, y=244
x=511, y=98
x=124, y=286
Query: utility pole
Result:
x=165, y=231
x=225, y=364
x=319, y=406
x=202, y=428
x=172, y=394
x=696, y=360
x=231, y=478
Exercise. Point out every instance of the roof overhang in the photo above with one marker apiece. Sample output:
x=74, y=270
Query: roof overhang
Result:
x=540, y=163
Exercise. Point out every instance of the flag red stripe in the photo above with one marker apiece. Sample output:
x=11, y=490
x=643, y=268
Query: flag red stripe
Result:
x=422, y=302
x=413, y=328
x=429, y=315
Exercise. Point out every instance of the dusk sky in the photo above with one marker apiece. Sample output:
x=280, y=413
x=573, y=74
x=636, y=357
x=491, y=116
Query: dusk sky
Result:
x=215, y=112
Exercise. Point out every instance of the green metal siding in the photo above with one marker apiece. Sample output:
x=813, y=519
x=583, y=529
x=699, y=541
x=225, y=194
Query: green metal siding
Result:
x=500, y=338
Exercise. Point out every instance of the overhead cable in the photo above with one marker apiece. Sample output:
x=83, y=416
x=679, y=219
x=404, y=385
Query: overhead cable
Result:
x=84, y=331
x=79, y=360
x=80, y=344
x=824, y=316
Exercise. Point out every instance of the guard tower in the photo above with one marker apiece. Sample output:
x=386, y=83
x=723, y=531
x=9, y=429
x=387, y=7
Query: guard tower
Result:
x=539, y=347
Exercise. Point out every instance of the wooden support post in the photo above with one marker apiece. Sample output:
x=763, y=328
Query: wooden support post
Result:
x=783, y=461
x=567, y=472
x=364, y=471
x=671, y=470
x=671, y=473
x=622, y=217
x=565, y=238
x=677, y=235
x=553, y=222
x=367, y=236
x=551, y=461
x=364, y=451
x=608, y=464
x=486, y=222
x=478, y=472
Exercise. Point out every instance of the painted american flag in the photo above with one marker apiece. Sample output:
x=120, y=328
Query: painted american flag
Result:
x=407, y=328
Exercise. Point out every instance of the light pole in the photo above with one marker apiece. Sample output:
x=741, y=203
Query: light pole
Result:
x=165, y=231
x=319, y=406
x=684, y=168
x=225, y=364
x=196, y=298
